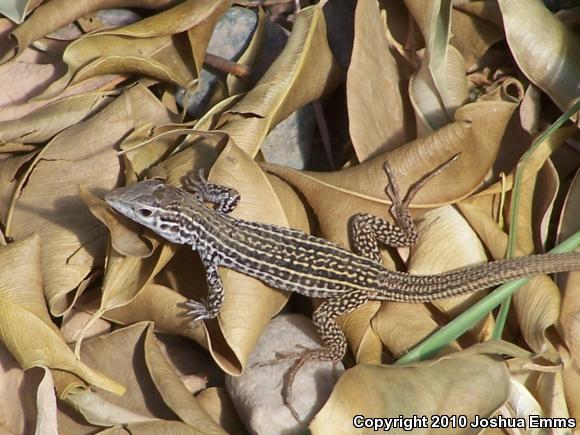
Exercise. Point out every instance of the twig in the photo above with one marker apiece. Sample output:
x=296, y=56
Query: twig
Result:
x=227, y=66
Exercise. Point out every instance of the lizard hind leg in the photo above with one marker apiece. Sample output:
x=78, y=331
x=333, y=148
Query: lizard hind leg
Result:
x=400, y=207
x=334, y=340
x=392, y=189
x=367, y=230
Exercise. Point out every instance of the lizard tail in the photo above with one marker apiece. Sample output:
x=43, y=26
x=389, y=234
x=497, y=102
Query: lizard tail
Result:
x=477, y=277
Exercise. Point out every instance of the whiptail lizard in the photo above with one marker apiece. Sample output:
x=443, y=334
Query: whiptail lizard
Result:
x=293, y=261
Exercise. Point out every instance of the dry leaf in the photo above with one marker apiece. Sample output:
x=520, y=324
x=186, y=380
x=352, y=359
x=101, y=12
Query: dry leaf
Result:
x=217, y=403
x=73, y=241
x=44, y=123
x=8, y=184
x=125, y=238
x=121, y=115
x=18, y=9
x=174, y=393
x=439, y=87
x=548, y=58
x=153, y=389
x=376, y=121
x=168, y=46
x=445, y=242
x=569, y=321
x=23, y=309
x=237, y=85
x=164, y=307
x=475, y=27
x=55, y=14
x=249, y=305
x=28, y=400
x=361, y=188
x=304, y=71
x=438, y=388
x=21, y=80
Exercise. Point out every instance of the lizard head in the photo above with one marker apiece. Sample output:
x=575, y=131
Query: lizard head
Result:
x=152, y=204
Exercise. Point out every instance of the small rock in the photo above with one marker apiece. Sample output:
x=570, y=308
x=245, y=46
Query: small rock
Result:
x=257, y=393
x=229, y=39
x=118, y=17
x=231, y=36
x=275, y=41
x=290, y=142
x=232, y=33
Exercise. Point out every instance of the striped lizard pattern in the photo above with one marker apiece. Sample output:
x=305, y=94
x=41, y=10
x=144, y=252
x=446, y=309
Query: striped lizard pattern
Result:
x=293, y=261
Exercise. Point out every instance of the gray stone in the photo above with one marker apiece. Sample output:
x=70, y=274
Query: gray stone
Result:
x=290, y=142
x=232, y=33
x=231, y=36
x=118, y=17
x=275, y=41
x=257, y=393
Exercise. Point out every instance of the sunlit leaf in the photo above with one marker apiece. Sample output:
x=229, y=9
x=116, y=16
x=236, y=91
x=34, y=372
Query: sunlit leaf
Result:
x=548, y=58
x=26, y=328
x=376, y=118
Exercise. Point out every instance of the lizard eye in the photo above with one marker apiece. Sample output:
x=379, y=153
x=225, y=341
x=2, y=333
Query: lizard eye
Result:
x=145, y=212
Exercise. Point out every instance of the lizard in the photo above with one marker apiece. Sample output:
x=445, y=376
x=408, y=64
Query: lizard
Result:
x=290, y=260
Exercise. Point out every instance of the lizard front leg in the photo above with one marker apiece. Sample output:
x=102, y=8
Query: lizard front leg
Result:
x=215, y=297
x=223, y=198
x=367, y=230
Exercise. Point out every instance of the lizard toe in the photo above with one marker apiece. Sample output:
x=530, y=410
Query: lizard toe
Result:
x=198, y=310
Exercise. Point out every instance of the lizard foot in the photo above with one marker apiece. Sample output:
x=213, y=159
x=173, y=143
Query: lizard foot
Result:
x=197, y=310
x=300, y=358
x=284, y=356
x=196, y=184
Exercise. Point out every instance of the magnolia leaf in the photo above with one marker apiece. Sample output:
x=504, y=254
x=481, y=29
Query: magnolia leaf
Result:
x=217, y=403
x=16, y=10
x=26, y=328
x=73, y=240
x=44, y=123
x=571, y=379
x=548, y=58
x=154, y=392
x=8, y=182
x=437, y=388
x=155, y=46
x=237, y=85
x=304, y=71
x=440, y=85
x=361, y=188
x=164, y=307
x=475, y=27
x=569, y=321
x=538, y=301
x=57, y=13
x=28, y=399
x=172, y=390
x=445, y=242
x=124, y=232
x=376, y=122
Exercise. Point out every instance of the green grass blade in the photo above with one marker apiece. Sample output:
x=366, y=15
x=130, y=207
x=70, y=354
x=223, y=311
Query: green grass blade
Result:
x=469, y=318
x=515, y=207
